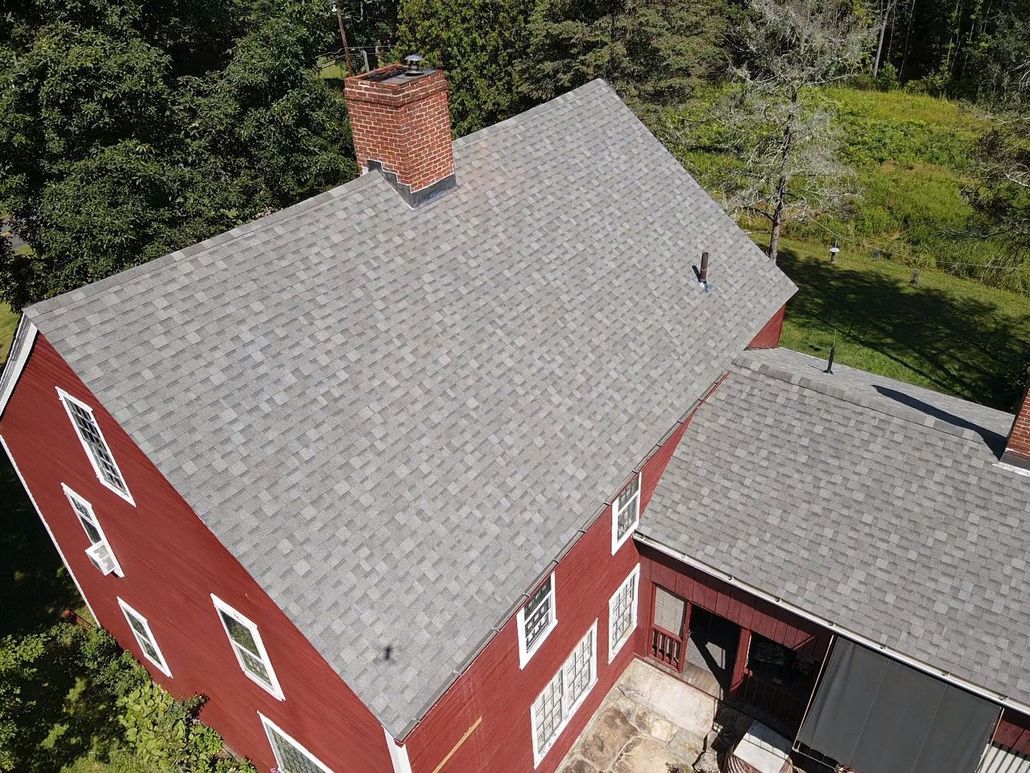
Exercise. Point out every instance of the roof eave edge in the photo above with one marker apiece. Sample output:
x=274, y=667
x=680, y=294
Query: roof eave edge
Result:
x=834, y=627
x=24, y=338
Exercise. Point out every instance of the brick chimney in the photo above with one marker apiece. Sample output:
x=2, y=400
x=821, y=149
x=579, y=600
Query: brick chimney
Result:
x=1017, y=447
x=402, y=126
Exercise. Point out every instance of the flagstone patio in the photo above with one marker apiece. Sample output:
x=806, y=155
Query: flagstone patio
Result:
x=650, y=722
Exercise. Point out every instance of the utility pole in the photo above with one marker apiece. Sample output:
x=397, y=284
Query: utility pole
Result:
x=343, y=39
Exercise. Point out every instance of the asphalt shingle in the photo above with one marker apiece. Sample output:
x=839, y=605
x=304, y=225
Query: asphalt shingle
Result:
x=396, y=418
x=874, y=504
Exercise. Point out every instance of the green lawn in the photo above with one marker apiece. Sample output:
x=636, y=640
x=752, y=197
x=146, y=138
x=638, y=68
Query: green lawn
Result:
x=949, y=334
x=8, y=323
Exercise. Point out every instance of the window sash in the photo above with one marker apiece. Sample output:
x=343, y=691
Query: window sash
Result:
x=95, y=445
x=626, y=512
x=536, y=619
x=554, y=708
x=622, y=613
x=290, y=756
x=140, y=629
x=91, y=525
x=246, y=644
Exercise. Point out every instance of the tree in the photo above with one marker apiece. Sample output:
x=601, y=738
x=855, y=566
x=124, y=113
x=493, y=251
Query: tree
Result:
x=651, y=51
x=480, y=43
x=1001, y=192
x=786, y=139
x=131, y=128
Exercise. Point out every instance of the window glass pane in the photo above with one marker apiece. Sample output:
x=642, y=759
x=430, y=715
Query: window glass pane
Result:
x=292, y=759
x=622, y=611
x=255, y=666
x=91, y=531
x=138, y=626
x=148, y=648
x=90, y=432
x=239, y=633
x=577, y=671
x=538, y=613
x=547, y=713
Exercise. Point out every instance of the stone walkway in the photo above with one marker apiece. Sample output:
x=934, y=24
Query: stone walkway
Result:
x=649, y=722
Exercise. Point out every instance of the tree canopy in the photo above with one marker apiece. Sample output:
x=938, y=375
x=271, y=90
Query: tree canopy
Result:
x=130, y=128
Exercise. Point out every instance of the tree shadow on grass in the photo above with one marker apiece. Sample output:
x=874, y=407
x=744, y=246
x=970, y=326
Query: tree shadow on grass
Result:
x=954, y=344
x=34, y=585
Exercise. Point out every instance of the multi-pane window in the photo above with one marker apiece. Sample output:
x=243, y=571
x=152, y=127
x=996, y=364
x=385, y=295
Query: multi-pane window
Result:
x=144, y=637
x=290, y=756
x=536, y=620
x=248, y=647
x=625, y=513
x=99, y=550
x=622, y=613
x=564, y=694
x=95, y=445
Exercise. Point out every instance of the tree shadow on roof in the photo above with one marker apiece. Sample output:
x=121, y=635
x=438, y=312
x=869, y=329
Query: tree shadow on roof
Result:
x=993, y=440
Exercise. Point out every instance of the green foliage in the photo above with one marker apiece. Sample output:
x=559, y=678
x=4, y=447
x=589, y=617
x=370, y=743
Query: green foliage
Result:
x=130, y=128
x=650, y=50
x=480, y=44
x=70, y=696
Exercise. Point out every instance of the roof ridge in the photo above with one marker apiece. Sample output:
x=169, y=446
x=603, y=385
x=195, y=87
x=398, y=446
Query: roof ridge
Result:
x=856, y=397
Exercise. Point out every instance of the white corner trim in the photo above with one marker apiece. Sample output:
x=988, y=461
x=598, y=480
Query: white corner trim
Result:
x=66, y=401
x=398, y=754
x=24, y=337
x=633, y=578
x=49, y=531
x=834, y=628
x=222, y=607
x=525, y=654
x=618, y=542
x=270, y=727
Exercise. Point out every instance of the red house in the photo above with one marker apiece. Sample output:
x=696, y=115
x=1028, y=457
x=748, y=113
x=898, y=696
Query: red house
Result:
x=403, y=477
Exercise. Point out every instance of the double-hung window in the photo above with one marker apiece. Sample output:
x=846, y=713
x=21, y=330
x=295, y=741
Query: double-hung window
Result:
x=144, y=637
x=290, y=756
x=622, y=613
x=625, y=513
x=536, y=620
x=95, y=445
x=248, y=647
x=99, y=550
x=564, y=694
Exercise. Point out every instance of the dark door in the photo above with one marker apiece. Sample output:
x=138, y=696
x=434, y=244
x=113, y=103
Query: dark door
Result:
x=712, y=645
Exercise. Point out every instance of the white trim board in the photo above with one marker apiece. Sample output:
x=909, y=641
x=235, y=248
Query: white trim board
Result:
x=858, y=638
x=398, y=754
x=24, y=338
x=50, y=532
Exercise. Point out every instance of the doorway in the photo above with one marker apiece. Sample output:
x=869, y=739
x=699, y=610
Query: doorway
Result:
x=711, y=652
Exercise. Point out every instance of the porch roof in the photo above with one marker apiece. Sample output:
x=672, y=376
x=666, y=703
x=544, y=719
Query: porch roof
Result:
x=866, y=502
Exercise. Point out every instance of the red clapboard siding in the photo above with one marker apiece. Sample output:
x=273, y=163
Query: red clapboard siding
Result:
x=1014, y=732
x=172, y=564
x=723, y=599
x=769, y=336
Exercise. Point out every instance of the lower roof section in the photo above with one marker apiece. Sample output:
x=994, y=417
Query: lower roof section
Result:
x=874, y=505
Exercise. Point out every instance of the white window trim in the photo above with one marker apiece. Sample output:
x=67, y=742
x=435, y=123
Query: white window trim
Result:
x=162, y=666
x=72, y=499
x=615, y=646
x=220, y=606
x=616, y=541
x=65, y=400
x=270, y=726
x=520, y=621
x=538, y=755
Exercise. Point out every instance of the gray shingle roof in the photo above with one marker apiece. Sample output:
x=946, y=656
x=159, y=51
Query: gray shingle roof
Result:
x=865, y=501
x=396, y=418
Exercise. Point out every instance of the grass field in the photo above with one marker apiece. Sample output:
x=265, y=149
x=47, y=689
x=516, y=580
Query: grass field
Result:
x=947, y=333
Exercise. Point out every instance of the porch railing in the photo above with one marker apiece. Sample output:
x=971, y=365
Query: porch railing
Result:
x=667, y=647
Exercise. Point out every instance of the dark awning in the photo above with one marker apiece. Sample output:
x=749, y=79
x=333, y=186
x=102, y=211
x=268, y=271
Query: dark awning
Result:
x=881, y=716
